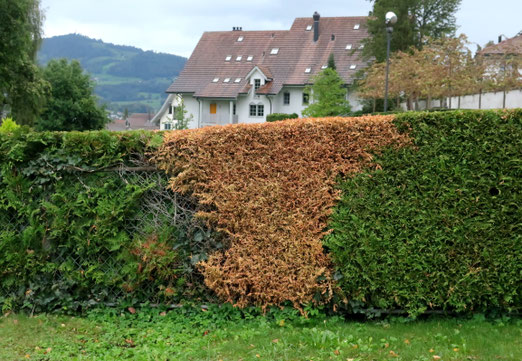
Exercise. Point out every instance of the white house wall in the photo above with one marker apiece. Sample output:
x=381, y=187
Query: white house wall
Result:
x=296, y=101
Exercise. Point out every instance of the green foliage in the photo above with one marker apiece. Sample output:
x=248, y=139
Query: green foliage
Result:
x=329, y=95
x=331, y=62
x=72, y=104
x=8, y=126
x=22, y=89
x=416, y=19
x=76, y=233
x=274, y=117
x=437, y=225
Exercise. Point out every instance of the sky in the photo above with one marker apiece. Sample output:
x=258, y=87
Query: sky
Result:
x=175, y=26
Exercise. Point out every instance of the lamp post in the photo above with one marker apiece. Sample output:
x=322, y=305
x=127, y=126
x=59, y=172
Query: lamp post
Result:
x=391, y=19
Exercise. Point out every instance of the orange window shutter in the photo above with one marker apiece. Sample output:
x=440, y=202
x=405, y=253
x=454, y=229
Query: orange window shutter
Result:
x=213, y=108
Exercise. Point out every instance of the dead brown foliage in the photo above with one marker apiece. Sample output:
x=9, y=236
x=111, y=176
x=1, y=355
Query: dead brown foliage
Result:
x=272, y=188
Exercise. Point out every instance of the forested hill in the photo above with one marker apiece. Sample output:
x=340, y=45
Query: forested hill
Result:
x=126, y=77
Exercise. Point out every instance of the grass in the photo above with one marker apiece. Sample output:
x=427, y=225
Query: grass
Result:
x=227, y=334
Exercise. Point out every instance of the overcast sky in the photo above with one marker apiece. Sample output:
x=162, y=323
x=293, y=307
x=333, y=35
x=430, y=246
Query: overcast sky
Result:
x=175, y=26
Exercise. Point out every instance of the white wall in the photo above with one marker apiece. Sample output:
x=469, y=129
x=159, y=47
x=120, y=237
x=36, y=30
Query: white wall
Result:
x=296, y=101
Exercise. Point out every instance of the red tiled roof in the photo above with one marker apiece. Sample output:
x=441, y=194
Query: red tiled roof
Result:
x=509, y=46
x=136, y=120
x=297, y=51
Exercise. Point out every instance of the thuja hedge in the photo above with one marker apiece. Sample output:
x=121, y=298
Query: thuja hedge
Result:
x=439, y=224
x=83, y=222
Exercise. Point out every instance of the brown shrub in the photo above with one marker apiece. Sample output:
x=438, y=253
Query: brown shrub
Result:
x=272, y=188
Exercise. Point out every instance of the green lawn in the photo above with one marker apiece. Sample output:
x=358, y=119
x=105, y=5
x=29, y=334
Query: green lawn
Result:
x=194, y=334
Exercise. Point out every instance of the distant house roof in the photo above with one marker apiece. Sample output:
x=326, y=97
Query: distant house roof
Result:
x=509, y=46
x=219, y=56
x=137, y=121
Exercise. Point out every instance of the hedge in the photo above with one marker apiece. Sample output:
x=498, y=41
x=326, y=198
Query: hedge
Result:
x=82, y=225
x=437, y=226
x=271, y=189
x=281, y=116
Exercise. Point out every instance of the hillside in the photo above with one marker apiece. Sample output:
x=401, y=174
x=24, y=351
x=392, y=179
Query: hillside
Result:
x=125, y=76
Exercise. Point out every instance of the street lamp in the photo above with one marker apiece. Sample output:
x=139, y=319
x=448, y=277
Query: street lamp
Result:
x=391, y=19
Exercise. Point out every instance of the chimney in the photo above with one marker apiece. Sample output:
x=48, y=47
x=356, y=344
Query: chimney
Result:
x=499, y=39
x=316, y=26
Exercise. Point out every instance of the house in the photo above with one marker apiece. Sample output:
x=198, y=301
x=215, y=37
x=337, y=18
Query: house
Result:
x=242, y=76
x=503, y=55
x=136, y=121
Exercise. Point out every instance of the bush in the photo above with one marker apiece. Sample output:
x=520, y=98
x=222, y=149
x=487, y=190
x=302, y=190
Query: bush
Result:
x=270, y=187
x=280, y=116
x=78, y=229
x=437, y=225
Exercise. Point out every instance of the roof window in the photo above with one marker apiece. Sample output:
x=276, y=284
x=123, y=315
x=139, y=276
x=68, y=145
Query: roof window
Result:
x=274, y=51
x=324, y=67
x=356, y=26
x=349, y=47
x=239, y=58
x=215, y=80
x=353, y=66
x=240, y=38
x=308, y=70
x=238, y=80
x=250, y=58
x=226, y=80
x=309, y=27
x=228, y=58
x=361, y=46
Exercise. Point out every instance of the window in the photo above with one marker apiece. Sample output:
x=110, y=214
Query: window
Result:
x=166, y=126
x=308, y=70
x=238, y=80
x=309, y=27
x=349, y=47
x=260, y=110
x=257, y=110
x=286, y=98
x=239, y=58
x=274, y=51
x=356, y=26
x=324, y=67
x=226, y=80
x=215, y=80
x=240, y=38
x=306, y=98
x=170, y=109
x=257, y=83
x=213, y=108
x=250, y=58
x=361, y=46
x=228, y=58
x=234, y=109
x=353, y=66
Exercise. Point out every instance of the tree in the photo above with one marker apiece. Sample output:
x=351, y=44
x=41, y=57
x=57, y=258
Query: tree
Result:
x=329, y=95
x=179, y=119
x=331, y=62
x=22, y=89
x=72, y=104
x=417, y=19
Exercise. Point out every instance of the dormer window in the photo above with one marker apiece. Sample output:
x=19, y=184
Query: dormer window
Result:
x=226, y=80
x=349, y=47
x=239, y=58
x=309, y=28
x=228, y=58
x=274, y=51
x=215, y=80
x=308, y=70
x=353, y=66
x=250, y=58
x=356, y=26
x=240, y=39
x=324, y=67
x=361, y=46
x=238, y=80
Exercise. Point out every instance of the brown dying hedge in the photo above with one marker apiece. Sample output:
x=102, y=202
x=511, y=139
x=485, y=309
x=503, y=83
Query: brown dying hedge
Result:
x=272, y=188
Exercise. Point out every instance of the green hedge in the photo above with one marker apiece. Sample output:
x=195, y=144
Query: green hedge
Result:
x=281, y=116
x=440, y=225
x=75, y=226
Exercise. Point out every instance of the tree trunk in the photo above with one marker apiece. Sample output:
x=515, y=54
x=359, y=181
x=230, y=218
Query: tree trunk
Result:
x=480, y=99
x=416, y=103
x=410, y=103
x=504, y=99
x=459, y=103
x=428, y=104
x=441, y=102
